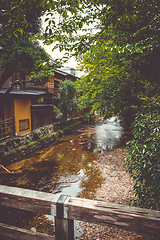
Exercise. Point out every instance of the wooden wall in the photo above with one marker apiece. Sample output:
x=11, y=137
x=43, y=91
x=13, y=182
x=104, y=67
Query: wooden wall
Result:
x=41, y=116
x=22, y=111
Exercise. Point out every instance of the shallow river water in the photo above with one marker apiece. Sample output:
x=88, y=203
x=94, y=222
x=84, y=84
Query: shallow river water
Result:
x=68, y=166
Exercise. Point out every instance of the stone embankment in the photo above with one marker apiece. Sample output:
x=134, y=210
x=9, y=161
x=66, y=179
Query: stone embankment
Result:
x=17, y=148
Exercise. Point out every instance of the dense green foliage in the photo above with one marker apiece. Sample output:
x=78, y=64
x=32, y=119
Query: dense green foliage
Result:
x=20, y=17
x=122, y=78
x=25, y=57
x=65, y=100
x=144, y=158
x=109, y=84
x=119, y=50
x=122, y=56
x=57, y=114
x=88, y=118
x=18, y=21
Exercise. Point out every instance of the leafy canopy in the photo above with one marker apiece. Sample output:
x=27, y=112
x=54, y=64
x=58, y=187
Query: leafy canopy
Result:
x=65, y=100
x=18, y=21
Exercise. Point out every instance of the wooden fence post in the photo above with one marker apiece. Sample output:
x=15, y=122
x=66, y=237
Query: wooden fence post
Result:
x=64, y=228
x=5, y=125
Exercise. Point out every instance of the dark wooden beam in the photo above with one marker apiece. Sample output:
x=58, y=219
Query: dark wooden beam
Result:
x=23, y=234
x=27, y=199
x=66, y=209
x=130, y=218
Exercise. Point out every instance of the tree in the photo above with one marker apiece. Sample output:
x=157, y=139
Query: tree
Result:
x=18, y=54
x=18, y=17
x=65, y=101
x=124, y=54
x=22, y=56
x=109, y=83
x=21, y=19
x=131, y=30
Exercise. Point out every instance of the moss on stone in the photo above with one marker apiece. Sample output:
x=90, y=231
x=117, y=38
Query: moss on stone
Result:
x=16, y=149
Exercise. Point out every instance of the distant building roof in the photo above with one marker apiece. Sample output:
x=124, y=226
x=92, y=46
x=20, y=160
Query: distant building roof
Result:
x=66, y=71
x=61, y=72
x=23, y=92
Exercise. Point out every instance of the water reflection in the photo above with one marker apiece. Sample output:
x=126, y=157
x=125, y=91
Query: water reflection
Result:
x=68, y=166
x=58, y=168
x=107, y=134
x=103, y=135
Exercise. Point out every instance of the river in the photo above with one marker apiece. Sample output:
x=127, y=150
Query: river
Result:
x=68, y=167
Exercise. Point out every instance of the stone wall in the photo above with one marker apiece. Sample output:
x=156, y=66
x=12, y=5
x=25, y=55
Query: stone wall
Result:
x=17, y=148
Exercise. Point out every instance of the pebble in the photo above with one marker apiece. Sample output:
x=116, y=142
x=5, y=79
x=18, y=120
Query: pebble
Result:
x=116, y=188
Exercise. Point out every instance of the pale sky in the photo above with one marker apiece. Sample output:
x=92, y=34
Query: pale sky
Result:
x=71, y=63
x=57, y=54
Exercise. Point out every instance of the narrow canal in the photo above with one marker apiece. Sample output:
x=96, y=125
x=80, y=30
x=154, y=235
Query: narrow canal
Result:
x=68, y=166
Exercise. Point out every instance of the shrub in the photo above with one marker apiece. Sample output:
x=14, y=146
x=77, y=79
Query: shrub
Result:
x=27, y=141
x=65, y=100
x=57, y=115
x=143, y=161
x=35, y=136
x=88, y=118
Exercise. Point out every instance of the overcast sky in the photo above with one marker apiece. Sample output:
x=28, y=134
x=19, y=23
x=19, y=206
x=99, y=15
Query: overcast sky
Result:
x=56, y=53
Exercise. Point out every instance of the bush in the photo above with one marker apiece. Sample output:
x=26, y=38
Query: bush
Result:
x=65, y=100
x=57, y=115
x=27, y=141
x=35, y=136
x=143, y=161
x=88, y=118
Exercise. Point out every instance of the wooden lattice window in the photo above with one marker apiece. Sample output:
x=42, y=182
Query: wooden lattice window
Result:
x=23, y=125
x=51, y=82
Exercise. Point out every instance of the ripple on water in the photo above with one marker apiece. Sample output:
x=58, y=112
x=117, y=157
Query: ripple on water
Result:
x=68, y=165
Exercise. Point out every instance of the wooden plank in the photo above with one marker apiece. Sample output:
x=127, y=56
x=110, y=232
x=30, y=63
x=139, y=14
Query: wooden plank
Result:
x=64, y=229
x=23, y=234
x=27, y=199
x=117, y=215
x=65, y=207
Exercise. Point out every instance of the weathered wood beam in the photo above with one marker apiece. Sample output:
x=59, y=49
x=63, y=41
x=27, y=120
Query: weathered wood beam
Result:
x=27, y=199
x=23, y=234
x=64, y=228
x=67, y=209
x=130, y=218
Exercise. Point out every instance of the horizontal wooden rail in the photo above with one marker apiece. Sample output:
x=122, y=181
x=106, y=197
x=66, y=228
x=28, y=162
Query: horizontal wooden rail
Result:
x=66, y=209
x=18, y=233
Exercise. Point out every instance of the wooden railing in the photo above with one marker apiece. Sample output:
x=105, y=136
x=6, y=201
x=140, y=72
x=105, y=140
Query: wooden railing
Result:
x=66, y=209
x=7, y=127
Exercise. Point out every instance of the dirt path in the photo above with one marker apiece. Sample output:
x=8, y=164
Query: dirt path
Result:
x=117, y=188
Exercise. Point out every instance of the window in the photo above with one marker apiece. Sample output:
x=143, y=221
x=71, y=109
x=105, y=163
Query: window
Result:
x=56, y=84
x=23, y=125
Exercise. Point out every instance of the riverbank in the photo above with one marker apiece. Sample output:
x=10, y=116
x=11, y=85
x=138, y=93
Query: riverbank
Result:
x=116, y=188
x=16, y=148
